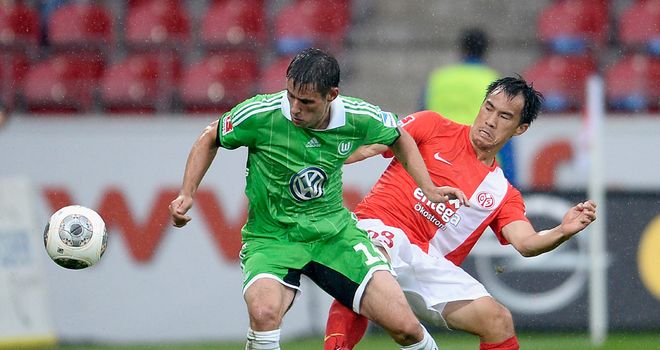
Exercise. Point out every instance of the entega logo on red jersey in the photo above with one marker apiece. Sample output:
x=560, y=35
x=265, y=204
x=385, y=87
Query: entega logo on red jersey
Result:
x=439, y=214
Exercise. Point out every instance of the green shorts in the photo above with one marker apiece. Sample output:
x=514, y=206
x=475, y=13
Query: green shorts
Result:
x=341, y=265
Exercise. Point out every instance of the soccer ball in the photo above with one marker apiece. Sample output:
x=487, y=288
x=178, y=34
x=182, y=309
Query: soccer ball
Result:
x=75, y=237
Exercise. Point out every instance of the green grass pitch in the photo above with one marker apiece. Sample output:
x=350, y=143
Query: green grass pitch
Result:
x=453, y=341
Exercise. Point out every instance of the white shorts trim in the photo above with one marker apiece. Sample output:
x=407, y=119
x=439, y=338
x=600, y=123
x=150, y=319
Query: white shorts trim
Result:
x=357, y=298
x=429, y=282
x=271, y=276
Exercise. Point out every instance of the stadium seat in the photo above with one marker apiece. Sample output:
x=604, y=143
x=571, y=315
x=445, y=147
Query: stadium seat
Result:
x=13, y=68
x=219, y=81
x=141, y=83
x=86, y=29
x=633, y=84
x=58, y=85
x=562, y=80
x=574, y=26
x=305, y=23
x=81, y=24
x=234, y=23
x=639, y=26
x=157, y=25
x=19, y=26
x=273, y=78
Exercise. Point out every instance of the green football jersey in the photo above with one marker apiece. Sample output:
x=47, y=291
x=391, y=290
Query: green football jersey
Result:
x=294, y=174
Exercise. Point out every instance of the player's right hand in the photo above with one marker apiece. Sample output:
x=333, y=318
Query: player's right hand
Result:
x=178, y=209
x=444, y=193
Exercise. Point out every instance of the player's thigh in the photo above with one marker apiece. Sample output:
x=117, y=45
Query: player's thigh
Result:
x=267, y=301
x=343, y=265
x=384, y=303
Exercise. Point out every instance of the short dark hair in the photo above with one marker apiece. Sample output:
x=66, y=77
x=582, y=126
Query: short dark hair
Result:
x=474, y=42
x=313, y=66
x=514, y=86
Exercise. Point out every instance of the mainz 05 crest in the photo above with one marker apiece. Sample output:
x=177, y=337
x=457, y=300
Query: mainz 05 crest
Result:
x=308, y=183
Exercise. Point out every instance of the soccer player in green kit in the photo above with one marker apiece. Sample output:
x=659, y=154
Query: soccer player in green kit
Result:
x=298, y=140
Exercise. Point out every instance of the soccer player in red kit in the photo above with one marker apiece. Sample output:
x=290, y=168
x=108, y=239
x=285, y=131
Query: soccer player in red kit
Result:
x=427, y=242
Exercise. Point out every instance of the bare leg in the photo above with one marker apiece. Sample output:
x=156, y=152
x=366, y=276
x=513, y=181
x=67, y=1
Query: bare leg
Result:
x=384, y=303
x=485, y=317
x=267, y=301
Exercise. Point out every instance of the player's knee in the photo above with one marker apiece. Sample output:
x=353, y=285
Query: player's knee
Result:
x=264, y=316
x=498, y=322
x=406, y=333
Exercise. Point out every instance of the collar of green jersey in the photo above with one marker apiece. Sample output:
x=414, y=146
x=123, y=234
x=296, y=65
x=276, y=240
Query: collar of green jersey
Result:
x=337, y=112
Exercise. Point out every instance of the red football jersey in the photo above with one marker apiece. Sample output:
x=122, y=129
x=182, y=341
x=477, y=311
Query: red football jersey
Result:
x=452, y=229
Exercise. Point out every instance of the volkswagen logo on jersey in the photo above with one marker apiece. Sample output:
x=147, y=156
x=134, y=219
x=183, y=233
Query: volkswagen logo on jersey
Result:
x=307, y=184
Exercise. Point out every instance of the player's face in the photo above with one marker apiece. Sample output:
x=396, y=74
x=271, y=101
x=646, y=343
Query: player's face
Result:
x=309, y=109
x=498, y=121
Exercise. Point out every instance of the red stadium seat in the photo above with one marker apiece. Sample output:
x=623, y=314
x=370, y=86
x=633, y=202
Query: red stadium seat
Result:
x=81, y=25
x=19, y=33
x=561, y=80
x=273, y=78
x=633, y=84
x=639, y=27
x=231, y=23
x=157, y=24
x=139, y=83
x=320, y=23
x=19, y=26
x=13, y=68
x=219, y=81
x=573, y=26
x=86, y=29
x=58, y=85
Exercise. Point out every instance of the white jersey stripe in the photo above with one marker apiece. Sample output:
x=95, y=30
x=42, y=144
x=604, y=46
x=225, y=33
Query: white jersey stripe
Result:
x=256, y=104
x=361, y=105
x=369, y=113
x=253, y=112
x=495, y=184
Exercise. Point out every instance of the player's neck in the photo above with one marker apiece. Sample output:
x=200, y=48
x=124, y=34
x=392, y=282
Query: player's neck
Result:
x=486, y=156
x=325, y=121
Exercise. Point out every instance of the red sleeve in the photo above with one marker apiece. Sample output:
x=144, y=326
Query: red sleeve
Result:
x=420, y=126
x=513, y=209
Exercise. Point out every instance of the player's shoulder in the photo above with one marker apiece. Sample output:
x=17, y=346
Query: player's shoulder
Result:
x=360, y=107
x=257, y=105
x=429, y=118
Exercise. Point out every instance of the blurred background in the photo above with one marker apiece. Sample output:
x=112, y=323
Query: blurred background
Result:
x=101, y=101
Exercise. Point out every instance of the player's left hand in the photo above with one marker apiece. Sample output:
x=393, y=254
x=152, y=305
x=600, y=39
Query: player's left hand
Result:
x=444, y=193
x=578, y=217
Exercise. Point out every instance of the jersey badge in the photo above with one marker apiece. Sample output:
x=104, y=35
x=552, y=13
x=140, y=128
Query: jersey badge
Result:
x=344, y=147
x=485, y=199
x=227, y=126
x=389, y=119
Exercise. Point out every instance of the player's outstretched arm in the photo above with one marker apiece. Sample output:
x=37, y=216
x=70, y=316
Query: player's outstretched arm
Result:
x=528, y=242
x=366, y=151
x=406, y=152
x=199, y=160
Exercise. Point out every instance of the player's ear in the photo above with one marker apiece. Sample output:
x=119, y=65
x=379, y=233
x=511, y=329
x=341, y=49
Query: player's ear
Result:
x=521, y=129
x=332, y=95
